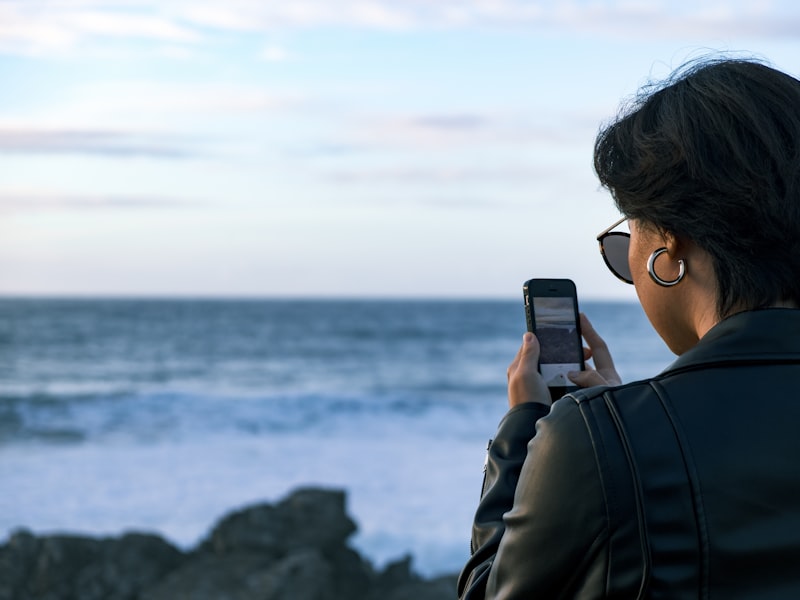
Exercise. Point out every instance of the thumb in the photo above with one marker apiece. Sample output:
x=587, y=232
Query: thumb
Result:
x=587, y=378
x=525, y=384
x=530, y=345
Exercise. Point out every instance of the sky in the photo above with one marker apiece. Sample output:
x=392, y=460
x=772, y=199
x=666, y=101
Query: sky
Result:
x=329, y=148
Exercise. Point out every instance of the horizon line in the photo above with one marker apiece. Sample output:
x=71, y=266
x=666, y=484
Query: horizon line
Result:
x=208, y=297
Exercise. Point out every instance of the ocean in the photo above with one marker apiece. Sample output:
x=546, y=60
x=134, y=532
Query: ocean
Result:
x=164, y=415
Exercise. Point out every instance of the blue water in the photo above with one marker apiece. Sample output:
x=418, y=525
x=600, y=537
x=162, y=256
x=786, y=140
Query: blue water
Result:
x=162, y=415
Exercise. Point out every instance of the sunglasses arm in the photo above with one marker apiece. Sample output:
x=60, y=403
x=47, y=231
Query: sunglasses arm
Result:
x=606, y=231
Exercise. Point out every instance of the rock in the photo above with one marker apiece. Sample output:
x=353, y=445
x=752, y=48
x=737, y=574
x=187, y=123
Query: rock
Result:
x=353, y=576
x=440, y=588
x=247, y=577
x=126, y=566
x=308, y=518
x=305, y=574
x=304, y=537
x=399, y=582
x=295, y=549
x=66, y=566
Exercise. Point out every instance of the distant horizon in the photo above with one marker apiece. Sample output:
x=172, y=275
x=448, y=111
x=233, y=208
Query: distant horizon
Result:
x=290, y=298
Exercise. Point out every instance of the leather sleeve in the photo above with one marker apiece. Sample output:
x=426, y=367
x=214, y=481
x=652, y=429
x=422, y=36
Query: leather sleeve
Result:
x=540, y=526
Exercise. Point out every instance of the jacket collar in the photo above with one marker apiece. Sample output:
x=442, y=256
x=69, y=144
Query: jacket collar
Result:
x=771, y=334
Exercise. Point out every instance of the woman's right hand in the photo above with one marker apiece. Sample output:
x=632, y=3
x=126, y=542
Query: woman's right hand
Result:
x=604, y=373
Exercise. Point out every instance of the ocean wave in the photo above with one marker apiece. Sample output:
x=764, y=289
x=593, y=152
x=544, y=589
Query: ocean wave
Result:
x=80, y=418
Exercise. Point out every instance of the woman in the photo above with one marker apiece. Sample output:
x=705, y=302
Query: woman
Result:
x=686, y=485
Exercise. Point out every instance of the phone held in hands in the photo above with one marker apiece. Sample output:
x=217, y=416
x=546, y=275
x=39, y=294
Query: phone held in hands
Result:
x=551, y=310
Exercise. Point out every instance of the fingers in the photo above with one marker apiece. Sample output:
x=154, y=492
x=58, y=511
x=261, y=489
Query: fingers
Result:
x=525, y=383
x=598, y=348
x=605, y=373
x=586, y=379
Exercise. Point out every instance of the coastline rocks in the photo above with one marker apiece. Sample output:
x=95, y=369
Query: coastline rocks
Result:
x=308, y=518
x=296, y=548
x=61, y=567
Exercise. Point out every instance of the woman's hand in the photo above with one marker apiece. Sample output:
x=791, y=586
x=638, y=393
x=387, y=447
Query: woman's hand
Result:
x=525, y=383
x=604, y=373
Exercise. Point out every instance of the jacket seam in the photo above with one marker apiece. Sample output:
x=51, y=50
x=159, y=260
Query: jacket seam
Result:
x=601, y=460
x=694, y=482
x=609, y=486
x=640, y=510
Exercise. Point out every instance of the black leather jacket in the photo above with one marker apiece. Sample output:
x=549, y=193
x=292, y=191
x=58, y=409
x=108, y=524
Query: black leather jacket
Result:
x=686, y=485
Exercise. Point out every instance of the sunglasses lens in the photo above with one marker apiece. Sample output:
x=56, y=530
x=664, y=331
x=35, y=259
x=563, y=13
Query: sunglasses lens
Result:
x=615, y=250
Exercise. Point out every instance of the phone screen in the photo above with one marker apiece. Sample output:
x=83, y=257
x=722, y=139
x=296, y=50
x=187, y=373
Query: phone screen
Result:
x=552, y=313
x=557, y=331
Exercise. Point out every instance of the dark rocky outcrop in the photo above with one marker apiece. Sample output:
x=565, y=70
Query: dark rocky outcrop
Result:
x=294, y=549
x=62, y=567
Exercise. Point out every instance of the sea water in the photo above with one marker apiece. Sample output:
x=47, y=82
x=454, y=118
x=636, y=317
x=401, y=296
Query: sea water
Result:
x=163, y=415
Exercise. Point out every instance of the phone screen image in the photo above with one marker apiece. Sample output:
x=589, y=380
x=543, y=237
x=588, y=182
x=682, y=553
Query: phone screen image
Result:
x=560, y=342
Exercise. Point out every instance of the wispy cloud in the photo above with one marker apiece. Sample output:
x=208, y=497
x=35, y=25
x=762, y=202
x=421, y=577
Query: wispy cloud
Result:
x=160, y=97
x=461, y=122
x=42, y=27
x=38, y=27
x=650, y=18
x=21, y=201
x=245, y=15
x=442, y=175
x=462, y=130
x=426, y=130
x=114, y=144
x=480, y=148
x=275, y=54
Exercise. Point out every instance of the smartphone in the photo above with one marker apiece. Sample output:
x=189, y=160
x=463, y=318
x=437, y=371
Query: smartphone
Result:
x=551, y=310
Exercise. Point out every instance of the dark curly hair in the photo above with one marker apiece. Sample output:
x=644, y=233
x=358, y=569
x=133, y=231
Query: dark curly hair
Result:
x=713, y=155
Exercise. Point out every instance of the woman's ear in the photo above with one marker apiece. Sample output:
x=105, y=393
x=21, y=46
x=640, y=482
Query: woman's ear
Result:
x=676, y=247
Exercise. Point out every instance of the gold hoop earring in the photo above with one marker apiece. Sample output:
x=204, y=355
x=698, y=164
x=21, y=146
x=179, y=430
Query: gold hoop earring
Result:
x=651, y=269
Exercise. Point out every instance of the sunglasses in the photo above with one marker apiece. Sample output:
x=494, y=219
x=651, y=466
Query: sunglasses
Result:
x=614, y=248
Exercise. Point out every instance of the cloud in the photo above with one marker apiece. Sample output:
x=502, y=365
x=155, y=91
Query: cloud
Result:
x=44, y=27
x=113, y=144
x=636, y=18
x=665, y=20
x=244, y=15
x=151, y=97
x=458, y=131
x=34, y=201
x=40, y=27
x=466, y=135
x=274, y=54
x=442, y=175
x=462, y=122
x=427, y=130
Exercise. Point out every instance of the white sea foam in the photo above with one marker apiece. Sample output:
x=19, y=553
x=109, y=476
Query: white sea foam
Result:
x=412, y=493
